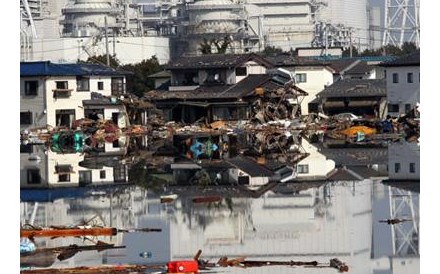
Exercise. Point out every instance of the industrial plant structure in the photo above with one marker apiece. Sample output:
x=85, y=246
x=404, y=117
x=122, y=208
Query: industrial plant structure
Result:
x=134, y=30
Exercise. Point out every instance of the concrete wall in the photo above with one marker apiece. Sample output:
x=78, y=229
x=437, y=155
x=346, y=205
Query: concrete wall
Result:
x=318, y=164
x=128, y=50
x=35, y=104
x=404, y=154
x=403, y=92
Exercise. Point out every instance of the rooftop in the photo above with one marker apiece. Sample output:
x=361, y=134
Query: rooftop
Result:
x=47, y=68
x=355, y=88
x=412, y=59
x=208, y=61
x=250, y=167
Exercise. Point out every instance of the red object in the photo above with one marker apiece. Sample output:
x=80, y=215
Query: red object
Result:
x=182, y=267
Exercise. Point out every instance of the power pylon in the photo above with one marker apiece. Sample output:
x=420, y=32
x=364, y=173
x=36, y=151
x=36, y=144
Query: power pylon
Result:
x=402, y=22
x=405, y=235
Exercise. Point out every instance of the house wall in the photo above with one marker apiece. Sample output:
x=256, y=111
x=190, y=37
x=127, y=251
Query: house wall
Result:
x=76, y=97
x=251, y=68
x=403, y=93
x=234, y=173
x=403, y=154
x=317, y=79
x=35, y=104
x=318, y=164
x=26, y=163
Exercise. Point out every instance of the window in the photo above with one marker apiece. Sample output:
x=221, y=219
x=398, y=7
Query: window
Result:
x=64, y=178
x=302, y=169
x=241, y=71
x=393, y=107
x=395, y=78
x=26, y=118
x=412, y=167
x=33, y=176
x=301, y=77
x=102, y=174
x=119, y=174
x=26, y=148
x=82, y=83
x=84, y=177
x=118, y=86
x=407, y=108
x=397, y=167
x=64, y=117
x=62, y=85
x=100, y=85
x=410, y=77
x=31, y=88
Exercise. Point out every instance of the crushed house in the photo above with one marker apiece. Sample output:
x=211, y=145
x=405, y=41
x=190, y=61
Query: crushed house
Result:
x=227, y=87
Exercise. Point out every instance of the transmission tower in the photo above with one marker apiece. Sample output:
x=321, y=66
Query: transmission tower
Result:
x=405, y=236
x=402, y=22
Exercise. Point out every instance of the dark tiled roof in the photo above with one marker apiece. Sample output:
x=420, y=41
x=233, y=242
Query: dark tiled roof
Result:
x=160, y=74
x=357, y=156
x=339, y=65
x=360, y=68
x=355, y=88
x=216, y=61
x=367, y=172
x=243, y=88
x=286, y=60
x=412, y=59
x=47, y=68
x=250, y=167
x=343, y=174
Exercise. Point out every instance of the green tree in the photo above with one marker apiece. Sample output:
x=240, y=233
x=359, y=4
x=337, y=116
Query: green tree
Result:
x=205, y=47
x=409, y=47
x=102, y=60
x=354, y=52
x=139, y=83
x=271, y=51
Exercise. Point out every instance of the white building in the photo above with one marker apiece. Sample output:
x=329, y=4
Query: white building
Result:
x=403, y=83
x=56, y=95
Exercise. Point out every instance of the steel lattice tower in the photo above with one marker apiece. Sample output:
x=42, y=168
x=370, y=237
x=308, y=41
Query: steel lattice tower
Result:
x=402, y=22
x=405, y=236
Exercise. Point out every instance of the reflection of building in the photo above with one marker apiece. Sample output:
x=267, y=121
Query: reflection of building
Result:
x=403, y=83
x=316, y=224
x=404, y=161
x=316, y=166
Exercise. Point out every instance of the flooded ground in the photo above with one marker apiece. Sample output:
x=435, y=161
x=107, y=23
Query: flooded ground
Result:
x=332, y=220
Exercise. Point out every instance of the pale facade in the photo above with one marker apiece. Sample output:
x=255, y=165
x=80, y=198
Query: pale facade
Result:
x=404, y=161
x=315, y=166
x=312, y=79
x=403, y=89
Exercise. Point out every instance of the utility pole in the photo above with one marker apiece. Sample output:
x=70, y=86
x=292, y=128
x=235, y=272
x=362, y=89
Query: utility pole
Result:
x=351, y=46
x=114, y=43
x=106, y=42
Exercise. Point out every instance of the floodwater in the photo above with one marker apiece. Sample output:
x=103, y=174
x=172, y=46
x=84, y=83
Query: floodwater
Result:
x=317, y=220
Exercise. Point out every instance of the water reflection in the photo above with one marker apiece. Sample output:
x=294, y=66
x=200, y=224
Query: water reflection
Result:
x=229, y=205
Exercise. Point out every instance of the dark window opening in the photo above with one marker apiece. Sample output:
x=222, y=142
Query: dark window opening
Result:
x=26, y=118
x=241, y=71
x=243, y=180
x=85, y=177
x=397, y=167
x=64, y=117
x=100, y=85
x=26, y=148
x=102, y=174
x=410, y=77
x=412, y=167
x=395, y=78
x=301, y=77
x=31, y=88
x=62, y=85
x=393, y=107
x=302, y=169
x=33, y=176
x=64, y=178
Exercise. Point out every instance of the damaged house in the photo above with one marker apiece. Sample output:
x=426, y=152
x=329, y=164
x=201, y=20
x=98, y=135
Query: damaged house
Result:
x=362, y=97
x=228, y=87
